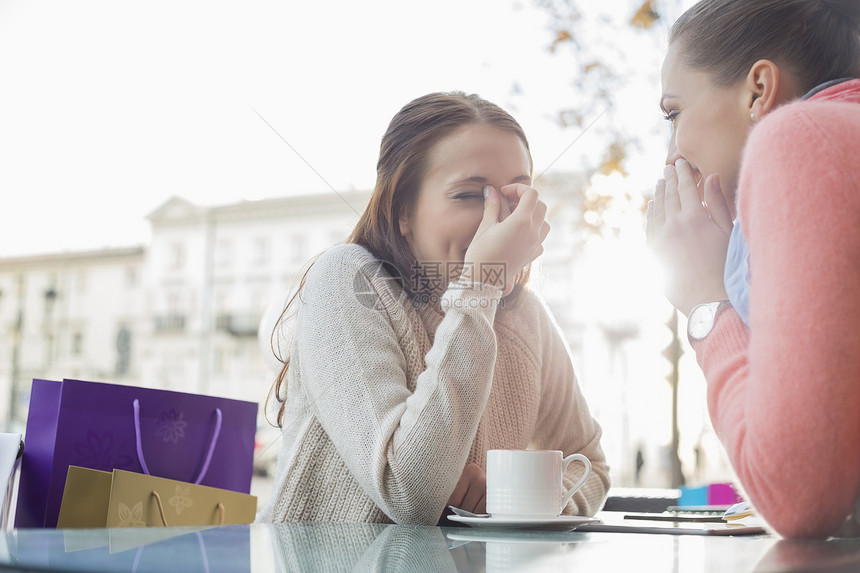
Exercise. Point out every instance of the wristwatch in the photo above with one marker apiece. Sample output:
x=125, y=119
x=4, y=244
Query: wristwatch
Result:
x=702, y=317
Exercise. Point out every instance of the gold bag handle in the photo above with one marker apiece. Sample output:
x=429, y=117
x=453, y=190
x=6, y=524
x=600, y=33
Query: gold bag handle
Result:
x=157, y=497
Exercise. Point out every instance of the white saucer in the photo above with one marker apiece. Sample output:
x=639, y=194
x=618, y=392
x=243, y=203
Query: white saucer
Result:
x=560, y=523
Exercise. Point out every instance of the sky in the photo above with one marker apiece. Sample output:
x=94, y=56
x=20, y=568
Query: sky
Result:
x=109, y=108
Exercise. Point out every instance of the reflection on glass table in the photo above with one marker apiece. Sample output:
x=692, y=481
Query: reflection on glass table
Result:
x=375, y=547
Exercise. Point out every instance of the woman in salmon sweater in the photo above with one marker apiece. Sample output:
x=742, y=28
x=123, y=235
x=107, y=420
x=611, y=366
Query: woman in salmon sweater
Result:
x=758, y=223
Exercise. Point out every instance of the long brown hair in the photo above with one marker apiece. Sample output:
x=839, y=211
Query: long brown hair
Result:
x=817, y=40
x=403, y=155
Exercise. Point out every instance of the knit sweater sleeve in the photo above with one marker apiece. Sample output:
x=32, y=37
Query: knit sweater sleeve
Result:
x=784, y=394
x=564, y=420
x=405, y=447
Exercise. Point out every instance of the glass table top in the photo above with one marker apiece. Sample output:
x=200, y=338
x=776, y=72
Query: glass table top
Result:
x=375, y=547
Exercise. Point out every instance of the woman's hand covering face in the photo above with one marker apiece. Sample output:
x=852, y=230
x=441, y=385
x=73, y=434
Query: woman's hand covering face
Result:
x=689, y=225
x=505, y=243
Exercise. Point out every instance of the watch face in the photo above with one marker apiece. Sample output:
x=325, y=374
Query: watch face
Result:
x=700, y=322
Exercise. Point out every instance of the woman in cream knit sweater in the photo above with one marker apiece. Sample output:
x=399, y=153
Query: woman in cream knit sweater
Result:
x=415, y=347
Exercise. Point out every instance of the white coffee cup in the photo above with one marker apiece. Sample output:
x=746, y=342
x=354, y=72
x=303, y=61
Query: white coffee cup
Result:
x=529, y=483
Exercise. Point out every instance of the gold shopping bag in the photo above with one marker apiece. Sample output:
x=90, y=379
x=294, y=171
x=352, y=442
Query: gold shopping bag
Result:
x=138, y=500
x=93, y=499
x=86, y=496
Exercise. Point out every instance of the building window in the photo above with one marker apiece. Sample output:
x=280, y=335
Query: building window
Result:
x=77, y=344
x=221, y=298
x=261, y=250
x=258, y=299
x=218, y=362
x=297, y=248
x=174, y=302
x=123, y=351
x=223, y=254
x=173, y=363
x=130, y=276
x=177, y=256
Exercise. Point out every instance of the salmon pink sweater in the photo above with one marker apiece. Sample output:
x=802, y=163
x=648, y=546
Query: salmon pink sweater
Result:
x=784, y=394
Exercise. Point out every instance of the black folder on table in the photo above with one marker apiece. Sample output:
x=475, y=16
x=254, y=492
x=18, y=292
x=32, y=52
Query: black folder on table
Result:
x=670, y=524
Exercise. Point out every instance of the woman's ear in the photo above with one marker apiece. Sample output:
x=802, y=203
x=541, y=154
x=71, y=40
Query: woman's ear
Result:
x=405, y=221
x=763, y=88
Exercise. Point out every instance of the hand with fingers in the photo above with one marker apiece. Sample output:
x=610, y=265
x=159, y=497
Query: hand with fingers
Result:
x=470, y=493
x=507, y=204
x=510, y=235
x=689, y=225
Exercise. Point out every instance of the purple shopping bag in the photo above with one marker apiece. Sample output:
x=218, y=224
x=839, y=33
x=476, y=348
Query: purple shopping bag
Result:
x=187, y=437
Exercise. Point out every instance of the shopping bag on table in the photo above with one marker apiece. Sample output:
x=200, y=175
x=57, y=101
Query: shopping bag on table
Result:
x=11, y=449
x=94, y=499
x=194, y=438
x=139, y=500
x=86, y=496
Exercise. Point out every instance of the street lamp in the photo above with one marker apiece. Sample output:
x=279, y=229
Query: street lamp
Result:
x=51, y=296
x=673, y=354
x=17, y=327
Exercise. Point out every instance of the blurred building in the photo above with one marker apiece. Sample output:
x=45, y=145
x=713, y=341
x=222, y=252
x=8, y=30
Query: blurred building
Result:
x=80, y=313
x=211, y=272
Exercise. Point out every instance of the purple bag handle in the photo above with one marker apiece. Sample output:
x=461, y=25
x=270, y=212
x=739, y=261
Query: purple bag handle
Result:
x=209, y=453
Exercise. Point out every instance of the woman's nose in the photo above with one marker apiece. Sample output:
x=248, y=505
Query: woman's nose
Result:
x=672, y=154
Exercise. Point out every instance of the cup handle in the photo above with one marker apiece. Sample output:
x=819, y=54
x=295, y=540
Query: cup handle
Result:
x=575, y=487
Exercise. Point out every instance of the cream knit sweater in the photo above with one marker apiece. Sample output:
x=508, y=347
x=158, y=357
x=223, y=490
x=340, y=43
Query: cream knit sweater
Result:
x=387, y=400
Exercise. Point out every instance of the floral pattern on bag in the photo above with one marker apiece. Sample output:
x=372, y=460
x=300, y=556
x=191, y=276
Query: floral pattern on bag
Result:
x=181, y=501
x=171, y=426
x=101, y=451
x=131, y=517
